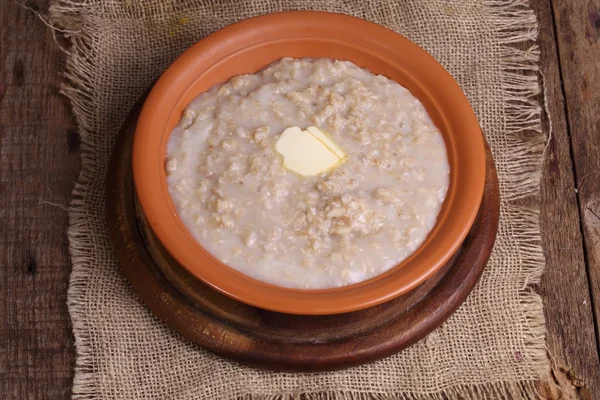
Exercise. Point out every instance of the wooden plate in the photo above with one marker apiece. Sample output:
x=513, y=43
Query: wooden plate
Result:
x=282, y=341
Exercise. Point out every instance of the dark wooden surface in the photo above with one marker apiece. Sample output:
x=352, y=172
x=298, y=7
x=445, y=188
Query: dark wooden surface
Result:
x=578, y=37
x=565, y=286
x=38, y=166
x=278, y=341
x=39, y=162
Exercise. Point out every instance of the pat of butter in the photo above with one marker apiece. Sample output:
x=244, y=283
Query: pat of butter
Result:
x=308, y=152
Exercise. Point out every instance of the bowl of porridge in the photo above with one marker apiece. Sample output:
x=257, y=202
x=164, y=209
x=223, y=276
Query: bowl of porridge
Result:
x=308, y=163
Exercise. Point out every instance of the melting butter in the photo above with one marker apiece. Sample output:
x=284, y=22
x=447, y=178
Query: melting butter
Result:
x=308, y=152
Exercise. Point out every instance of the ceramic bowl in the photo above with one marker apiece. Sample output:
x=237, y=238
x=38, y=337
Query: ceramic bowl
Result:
x=250, y=45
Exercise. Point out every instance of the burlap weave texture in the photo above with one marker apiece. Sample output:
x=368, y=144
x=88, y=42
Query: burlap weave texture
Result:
x=492, y=347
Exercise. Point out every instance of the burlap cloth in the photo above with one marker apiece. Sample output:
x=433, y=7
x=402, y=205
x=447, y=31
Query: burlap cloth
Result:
x=493, y=346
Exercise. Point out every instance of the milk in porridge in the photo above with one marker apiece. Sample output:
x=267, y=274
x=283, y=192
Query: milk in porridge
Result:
x=343, y=226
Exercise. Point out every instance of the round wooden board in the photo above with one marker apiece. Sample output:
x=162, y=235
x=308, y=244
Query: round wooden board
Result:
x=281, y=341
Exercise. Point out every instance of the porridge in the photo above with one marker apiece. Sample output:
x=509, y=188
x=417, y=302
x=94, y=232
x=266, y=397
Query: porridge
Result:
x=316, y=229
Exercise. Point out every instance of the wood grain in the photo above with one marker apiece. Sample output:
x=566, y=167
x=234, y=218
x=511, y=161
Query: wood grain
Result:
x=279, y=341
x=578, y=35
x=38, y=166
x=569, y=318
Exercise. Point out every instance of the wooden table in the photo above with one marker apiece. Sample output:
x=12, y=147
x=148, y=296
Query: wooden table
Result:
x=39, y=163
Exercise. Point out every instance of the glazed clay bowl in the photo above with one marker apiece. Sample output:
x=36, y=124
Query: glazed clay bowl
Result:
x=247, y=47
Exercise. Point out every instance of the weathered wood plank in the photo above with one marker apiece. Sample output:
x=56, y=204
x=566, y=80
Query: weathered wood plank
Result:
x=578, y=34
x=569, y=318
x=38, y=166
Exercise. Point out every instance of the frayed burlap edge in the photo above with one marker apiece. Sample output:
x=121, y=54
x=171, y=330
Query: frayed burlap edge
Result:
x=516, y=26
